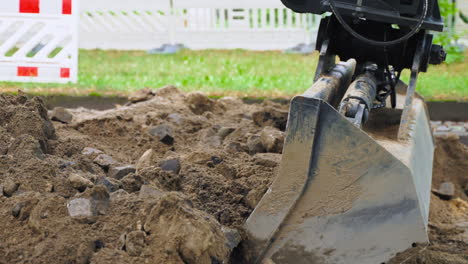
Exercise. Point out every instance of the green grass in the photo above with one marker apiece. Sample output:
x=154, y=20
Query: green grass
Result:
x=237, y=72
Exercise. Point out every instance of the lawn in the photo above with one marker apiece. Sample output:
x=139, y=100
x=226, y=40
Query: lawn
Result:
x=238, y=72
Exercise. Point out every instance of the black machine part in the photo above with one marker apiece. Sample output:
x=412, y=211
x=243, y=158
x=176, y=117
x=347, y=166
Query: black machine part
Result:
x=405, y=13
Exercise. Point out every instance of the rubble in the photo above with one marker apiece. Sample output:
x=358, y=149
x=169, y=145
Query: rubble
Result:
x=172, y=165
x=446, y=191
x=105, y=161
x=141, y=95
x=10, y=187
x=163, y=133
x=61, y=114
x=118, y=172
x=190, y=210
x=79, y=182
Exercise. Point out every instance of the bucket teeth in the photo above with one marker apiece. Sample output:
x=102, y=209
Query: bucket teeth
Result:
x=342, y=196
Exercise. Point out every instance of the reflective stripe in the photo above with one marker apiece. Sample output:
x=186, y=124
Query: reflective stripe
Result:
x=29, y=6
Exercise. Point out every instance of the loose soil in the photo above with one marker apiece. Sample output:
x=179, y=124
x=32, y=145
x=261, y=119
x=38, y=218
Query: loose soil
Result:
x=200, y=167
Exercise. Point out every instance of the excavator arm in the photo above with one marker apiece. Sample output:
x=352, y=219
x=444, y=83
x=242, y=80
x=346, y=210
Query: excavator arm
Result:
x=354, y=181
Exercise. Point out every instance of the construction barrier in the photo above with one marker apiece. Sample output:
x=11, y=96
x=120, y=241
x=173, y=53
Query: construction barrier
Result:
x=39, y=41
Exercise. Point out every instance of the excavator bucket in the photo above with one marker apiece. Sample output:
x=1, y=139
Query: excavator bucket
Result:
x=345, y=194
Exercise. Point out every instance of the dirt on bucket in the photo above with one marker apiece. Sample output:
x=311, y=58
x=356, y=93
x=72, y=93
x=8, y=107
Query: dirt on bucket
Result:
x=170, y=179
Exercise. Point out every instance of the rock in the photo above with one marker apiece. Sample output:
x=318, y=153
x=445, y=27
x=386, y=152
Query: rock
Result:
x=254, y=197
x=135, y=242
x=199, y=103
x=272, y=139
x=175, y=118
x=167, y=91
x=267, y=159
x=234, y=147
x=446, y=191
x=93, y=202
x=132, y=183
x=225, y=131
x=118, y=194
x=112, y=185
x=104, y=161
x=17, y=209
x=10, y=187
x=148, y=191
x=146, y=160
x=233, y=237
x=271, y=116
x=141, y=95
x=197, y=236
x=91, y=151
x=61, y=114
x=254, y=144
x=163, y=133
x=227, y=171
x=63, y=164
x=79, y=182
x=118, y=172
x=80, y=207
x=22, y=210
x=170, y=165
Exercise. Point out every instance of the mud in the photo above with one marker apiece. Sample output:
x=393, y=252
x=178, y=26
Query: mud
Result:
x=186, y=200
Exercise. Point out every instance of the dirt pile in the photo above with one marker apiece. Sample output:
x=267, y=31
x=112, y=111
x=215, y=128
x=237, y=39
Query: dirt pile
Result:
x=169, y=178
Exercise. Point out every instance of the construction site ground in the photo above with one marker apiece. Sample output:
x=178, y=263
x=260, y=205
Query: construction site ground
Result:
x=170, y=177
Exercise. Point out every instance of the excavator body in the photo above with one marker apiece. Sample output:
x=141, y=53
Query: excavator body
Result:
x=353, y=186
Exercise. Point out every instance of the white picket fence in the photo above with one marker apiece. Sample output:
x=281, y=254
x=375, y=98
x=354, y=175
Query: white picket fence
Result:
x=198, y=24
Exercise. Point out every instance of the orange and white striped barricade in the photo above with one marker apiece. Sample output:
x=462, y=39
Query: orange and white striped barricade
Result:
x=39, y=41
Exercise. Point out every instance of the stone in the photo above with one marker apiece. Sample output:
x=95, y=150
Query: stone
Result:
x=254, y=144
x=91, y=151
x=118, y=194
x=135, y=242
x=446, y=191
x=93, y=202
x=272, y=139
x=79, y=182
x=170, y=165
x=267, y=159
x=118, y=172
x=271, y=116
x=254, y=197
x=104, y=161
x=22, y=210
x=167, y=91
x=63, y=164
x=175, y=118
x=148, y=191
x=132, y=183
x=80, y=207
x=199, y=103
x=141, y=95
x=233, y=237
x=163, y=133
x=225, y=131
x=17, y=209
x=10, y=187
x=234, y=147
x=145, y=161
x=112, y=185
x=62, y=115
